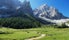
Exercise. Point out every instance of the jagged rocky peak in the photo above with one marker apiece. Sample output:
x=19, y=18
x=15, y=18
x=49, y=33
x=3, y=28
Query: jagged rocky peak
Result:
x=48, y=12
x=44, y=6
x=14, y=7
x=26, y=7
x=26, y=3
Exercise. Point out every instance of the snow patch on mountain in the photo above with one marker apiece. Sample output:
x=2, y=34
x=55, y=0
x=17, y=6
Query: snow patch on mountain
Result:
x=50, y=14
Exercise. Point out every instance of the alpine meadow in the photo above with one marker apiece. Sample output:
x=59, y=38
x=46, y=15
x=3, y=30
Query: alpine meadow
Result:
x=34, y=20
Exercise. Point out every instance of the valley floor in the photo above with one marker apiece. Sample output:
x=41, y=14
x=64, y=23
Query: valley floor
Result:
x=50, y=33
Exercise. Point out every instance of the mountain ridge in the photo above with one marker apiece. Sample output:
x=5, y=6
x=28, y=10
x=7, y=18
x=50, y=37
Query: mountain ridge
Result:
x=48, y=12
x=43, y=14
x=17, y=17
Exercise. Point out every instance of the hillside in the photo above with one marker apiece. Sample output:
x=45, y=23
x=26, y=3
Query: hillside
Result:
x=19, y=22
x=16, y=15
x=15, y=10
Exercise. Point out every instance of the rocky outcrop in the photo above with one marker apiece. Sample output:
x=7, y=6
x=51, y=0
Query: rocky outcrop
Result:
x=26, y=8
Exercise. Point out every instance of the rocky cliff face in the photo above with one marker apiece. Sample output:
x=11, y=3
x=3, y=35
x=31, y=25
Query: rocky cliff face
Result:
x=26, y=8
x=48, y=12
x=14, y=8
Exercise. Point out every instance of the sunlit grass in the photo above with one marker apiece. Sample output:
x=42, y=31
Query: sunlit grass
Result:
x=14, y=34
x=21, y=34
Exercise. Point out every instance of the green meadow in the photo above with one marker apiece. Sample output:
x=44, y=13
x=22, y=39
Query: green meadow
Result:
x=22, y=34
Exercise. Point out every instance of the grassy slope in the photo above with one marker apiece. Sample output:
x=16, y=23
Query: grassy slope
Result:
x=16, y=34
x=51, y=33
x=54, y=33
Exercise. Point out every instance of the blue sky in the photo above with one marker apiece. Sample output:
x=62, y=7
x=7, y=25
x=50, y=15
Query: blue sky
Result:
x=61, y=5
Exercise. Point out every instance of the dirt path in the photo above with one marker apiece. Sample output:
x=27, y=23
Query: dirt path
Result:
x=36, y=38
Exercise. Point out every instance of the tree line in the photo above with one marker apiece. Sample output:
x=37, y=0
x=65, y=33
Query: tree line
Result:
x=19, y=23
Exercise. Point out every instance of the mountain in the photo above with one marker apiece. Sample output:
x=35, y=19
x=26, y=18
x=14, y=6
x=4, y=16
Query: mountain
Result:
x=49, y=14
x=9, y=8
x=15, y=14
x=44, y=14
x=26, y=8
